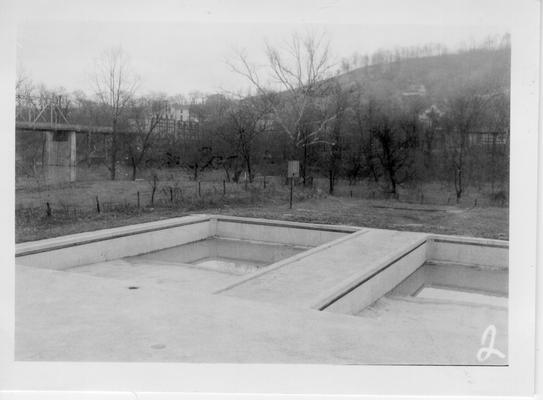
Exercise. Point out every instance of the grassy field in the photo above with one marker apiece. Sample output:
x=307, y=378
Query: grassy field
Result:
x=489, y=222
x=74, y=206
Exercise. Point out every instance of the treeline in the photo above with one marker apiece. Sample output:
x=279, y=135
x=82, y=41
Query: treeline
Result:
x=384, y=56
x=405, y=120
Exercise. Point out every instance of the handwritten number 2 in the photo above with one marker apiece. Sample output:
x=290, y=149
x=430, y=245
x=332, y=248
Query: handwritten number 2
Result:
x=484, y=353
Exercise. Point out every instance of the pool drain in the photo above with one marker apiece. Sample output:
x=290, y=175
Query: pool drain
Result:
x=133, y=287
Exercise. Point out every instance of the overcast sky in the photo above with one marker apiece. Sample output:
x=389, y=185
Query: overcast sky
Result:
x=181, y=56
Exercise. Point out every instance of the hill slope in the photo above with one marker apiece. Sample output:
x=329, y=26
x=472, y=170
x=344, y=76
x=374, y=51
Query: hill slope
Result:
x=434, y=77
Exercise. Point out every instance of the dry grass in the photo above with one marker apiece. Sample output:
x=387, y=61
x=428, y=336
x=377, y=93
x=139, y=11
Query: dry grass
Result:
x=488, y=222
x=74, y=207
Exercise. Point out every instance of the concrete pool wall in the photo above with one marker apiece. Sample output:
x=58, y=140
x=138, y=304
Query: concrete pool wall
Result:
x=354, y=296
x=297, y=234
x=110, y=244
x=471, y=251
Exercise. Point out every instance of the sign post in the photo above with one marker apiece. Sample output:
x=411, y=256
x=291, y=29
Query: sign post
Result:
x=291, y=187
x=293, y=172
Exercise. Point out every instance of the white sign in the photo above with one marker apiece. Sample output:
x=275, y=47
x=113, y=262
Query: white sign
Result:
x=293, y=169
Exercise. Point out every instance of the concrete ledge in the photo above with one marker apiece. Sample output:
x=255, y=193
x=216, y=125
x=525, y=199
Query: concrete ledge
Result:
x=292, y=224
x=294, y=233
x=108, y=244
x=290, y=260
x=359, y=291
x=27, y=248
x=38, y=246
x=467, y=250
x=302, y=282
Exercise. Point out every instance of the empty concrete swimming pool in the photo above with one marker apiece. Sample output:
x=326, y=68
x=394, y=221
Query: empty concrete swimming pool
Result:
x=207, y=288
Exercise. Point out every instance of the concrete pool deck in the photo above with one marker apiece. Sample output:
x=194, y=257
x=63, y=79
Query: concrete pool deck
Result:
x=180, y=276
x=63, y=316
x=147, y=309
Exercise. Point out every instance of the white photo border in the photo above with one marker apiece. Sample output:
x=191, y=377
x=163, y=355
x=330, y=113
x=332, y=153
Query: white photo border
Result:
x=518, y=379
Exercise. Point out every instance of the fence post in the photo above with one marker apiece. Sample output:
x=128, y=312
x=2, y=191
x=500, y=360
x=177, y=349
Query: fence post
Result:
x=138, y=199
x=48, y=210
x=97, y=205
x=223, y=187
x=199, y=189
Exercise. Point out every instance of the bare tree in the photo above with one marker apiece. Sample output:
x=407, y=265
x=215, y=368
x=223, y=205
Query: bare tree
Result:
x=339, y=105
x=23, y=87
x=210, y=149
x=499, y=155
x=115, y=86
x=364, y=161
x=248, y=122
x=24, y=92
x=298, y=70
x=395, y=135
x=147, y=113
x=463, y=113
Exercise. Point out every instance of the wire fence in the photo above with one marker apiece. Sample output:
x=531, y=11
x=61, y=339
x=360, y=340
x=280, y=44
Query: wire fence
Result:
x=131, y=197
x=81, y=200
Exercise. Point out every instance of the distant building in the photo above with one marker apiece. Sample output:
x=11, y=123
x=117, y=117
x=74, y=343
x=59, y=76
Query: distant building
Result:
x=177, y=122
x=178, y=112
x=479, y=135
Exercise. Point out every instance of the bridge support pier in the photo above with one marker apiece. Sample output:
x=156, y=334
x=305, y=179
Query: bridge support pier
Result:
x=60, y=157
